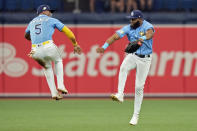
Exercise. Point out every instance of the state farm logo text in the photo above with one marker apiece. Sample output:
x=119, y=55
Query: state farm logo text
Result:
x=90, y=63
x=9, y=64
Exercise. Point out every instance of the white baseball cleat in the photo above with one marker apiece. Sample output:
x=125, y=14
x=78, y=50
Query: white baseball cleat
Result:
x=134, y=120
x=117, y=97
x=63, y=91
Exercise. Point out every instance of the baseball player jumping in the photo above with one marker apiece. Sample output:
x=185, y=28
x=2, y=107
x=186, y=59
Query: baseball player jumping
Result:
x=138, y=58
x=44, y=51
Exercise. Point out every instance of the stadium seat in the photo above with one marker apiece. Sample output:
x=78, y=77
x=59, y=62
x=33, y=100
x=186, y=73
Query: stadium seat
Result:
x=1, y=5
x=194, y=7
x=187, y=4
x=11, y=5
x=171, y=5
x=26, y=5
x=157, y=5
x=55, y=4
x=99, y=6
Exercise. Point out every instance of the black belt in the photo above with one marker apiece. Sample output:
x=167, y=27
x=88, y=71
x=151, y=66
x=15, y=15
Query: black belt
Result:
x=142, y=56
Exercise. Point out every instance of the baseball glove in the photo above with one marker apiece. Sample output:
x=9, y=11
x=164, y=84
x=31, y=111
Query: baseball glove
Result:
x=133, y=46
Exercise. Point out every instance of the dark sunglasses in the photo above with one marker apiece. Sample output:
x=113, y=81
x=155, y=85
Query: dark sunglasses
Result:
x=133, y=19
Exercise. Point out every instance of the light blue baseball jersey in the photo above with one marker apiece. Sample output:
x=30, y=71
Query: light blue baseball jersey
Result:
x=135, y=34
x=42, y=27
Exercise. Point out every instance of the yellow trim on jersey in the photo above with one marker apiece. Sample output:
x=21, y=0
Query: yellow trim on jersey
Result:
x=46, y=42
x=43, y=43
x=33, y=45
x=70, y=35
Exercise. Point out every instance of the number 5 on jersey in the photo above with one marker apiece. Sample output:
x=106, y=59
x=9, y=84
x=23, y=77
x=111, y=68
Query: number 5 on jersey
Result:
x=38, y=29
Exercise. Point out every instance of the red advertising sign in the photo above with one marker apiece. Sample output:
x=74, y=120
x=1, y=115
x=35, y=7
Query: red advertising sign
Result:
x=173, y=68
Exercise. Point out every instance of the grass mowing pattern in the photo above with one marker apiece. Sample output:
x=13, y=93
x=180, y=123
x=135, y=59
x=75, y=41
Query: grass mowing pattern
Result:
x=96, y=115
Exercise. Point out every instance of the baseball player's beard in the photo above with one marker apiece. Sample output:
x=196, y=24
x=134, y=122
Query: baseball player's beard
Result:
x=136, y=25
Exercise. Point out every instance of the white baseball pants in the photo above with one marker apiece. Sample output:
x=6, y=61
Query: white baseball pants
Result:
x=142, y=66
x=49, y=53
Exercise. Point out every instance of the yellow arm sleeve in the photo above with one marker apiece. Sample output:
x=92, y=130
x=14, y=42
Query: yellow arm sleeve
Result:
x=70, y=35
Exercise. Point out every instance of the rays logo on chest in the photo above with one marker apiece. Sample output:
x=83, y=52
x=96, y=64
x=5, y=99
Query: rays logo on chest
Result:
x=141, y=33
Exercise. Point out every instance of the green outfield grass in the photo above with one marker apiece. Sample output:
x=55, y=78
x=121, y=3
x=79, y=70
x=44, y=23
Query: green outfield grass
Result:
x=97, y=115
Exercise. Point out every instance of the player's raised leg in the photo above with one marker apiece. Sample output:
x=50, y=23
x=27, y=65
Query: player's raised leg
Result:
x=127, y=64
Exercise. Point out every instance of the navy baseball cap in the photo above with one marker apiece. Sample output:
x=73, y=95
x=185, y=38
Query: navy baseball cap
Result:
x=42, y=8
x=135, y=14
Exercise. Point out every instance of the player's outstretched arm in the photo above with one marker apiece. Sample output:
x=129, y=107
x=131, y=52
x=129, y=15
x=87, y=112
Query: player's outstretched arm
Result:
x=71, y=36
x=109, y=41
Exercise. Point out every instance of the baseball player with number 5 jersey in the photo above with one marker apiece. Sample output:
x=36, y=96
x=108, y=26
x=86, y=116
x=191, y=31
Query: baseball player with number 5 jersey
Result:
x=44, y=51
x=139, y=55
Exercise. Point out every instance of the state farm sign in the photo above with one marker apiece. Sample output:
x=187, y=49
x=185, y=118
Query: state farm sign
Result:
x=173, y=68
